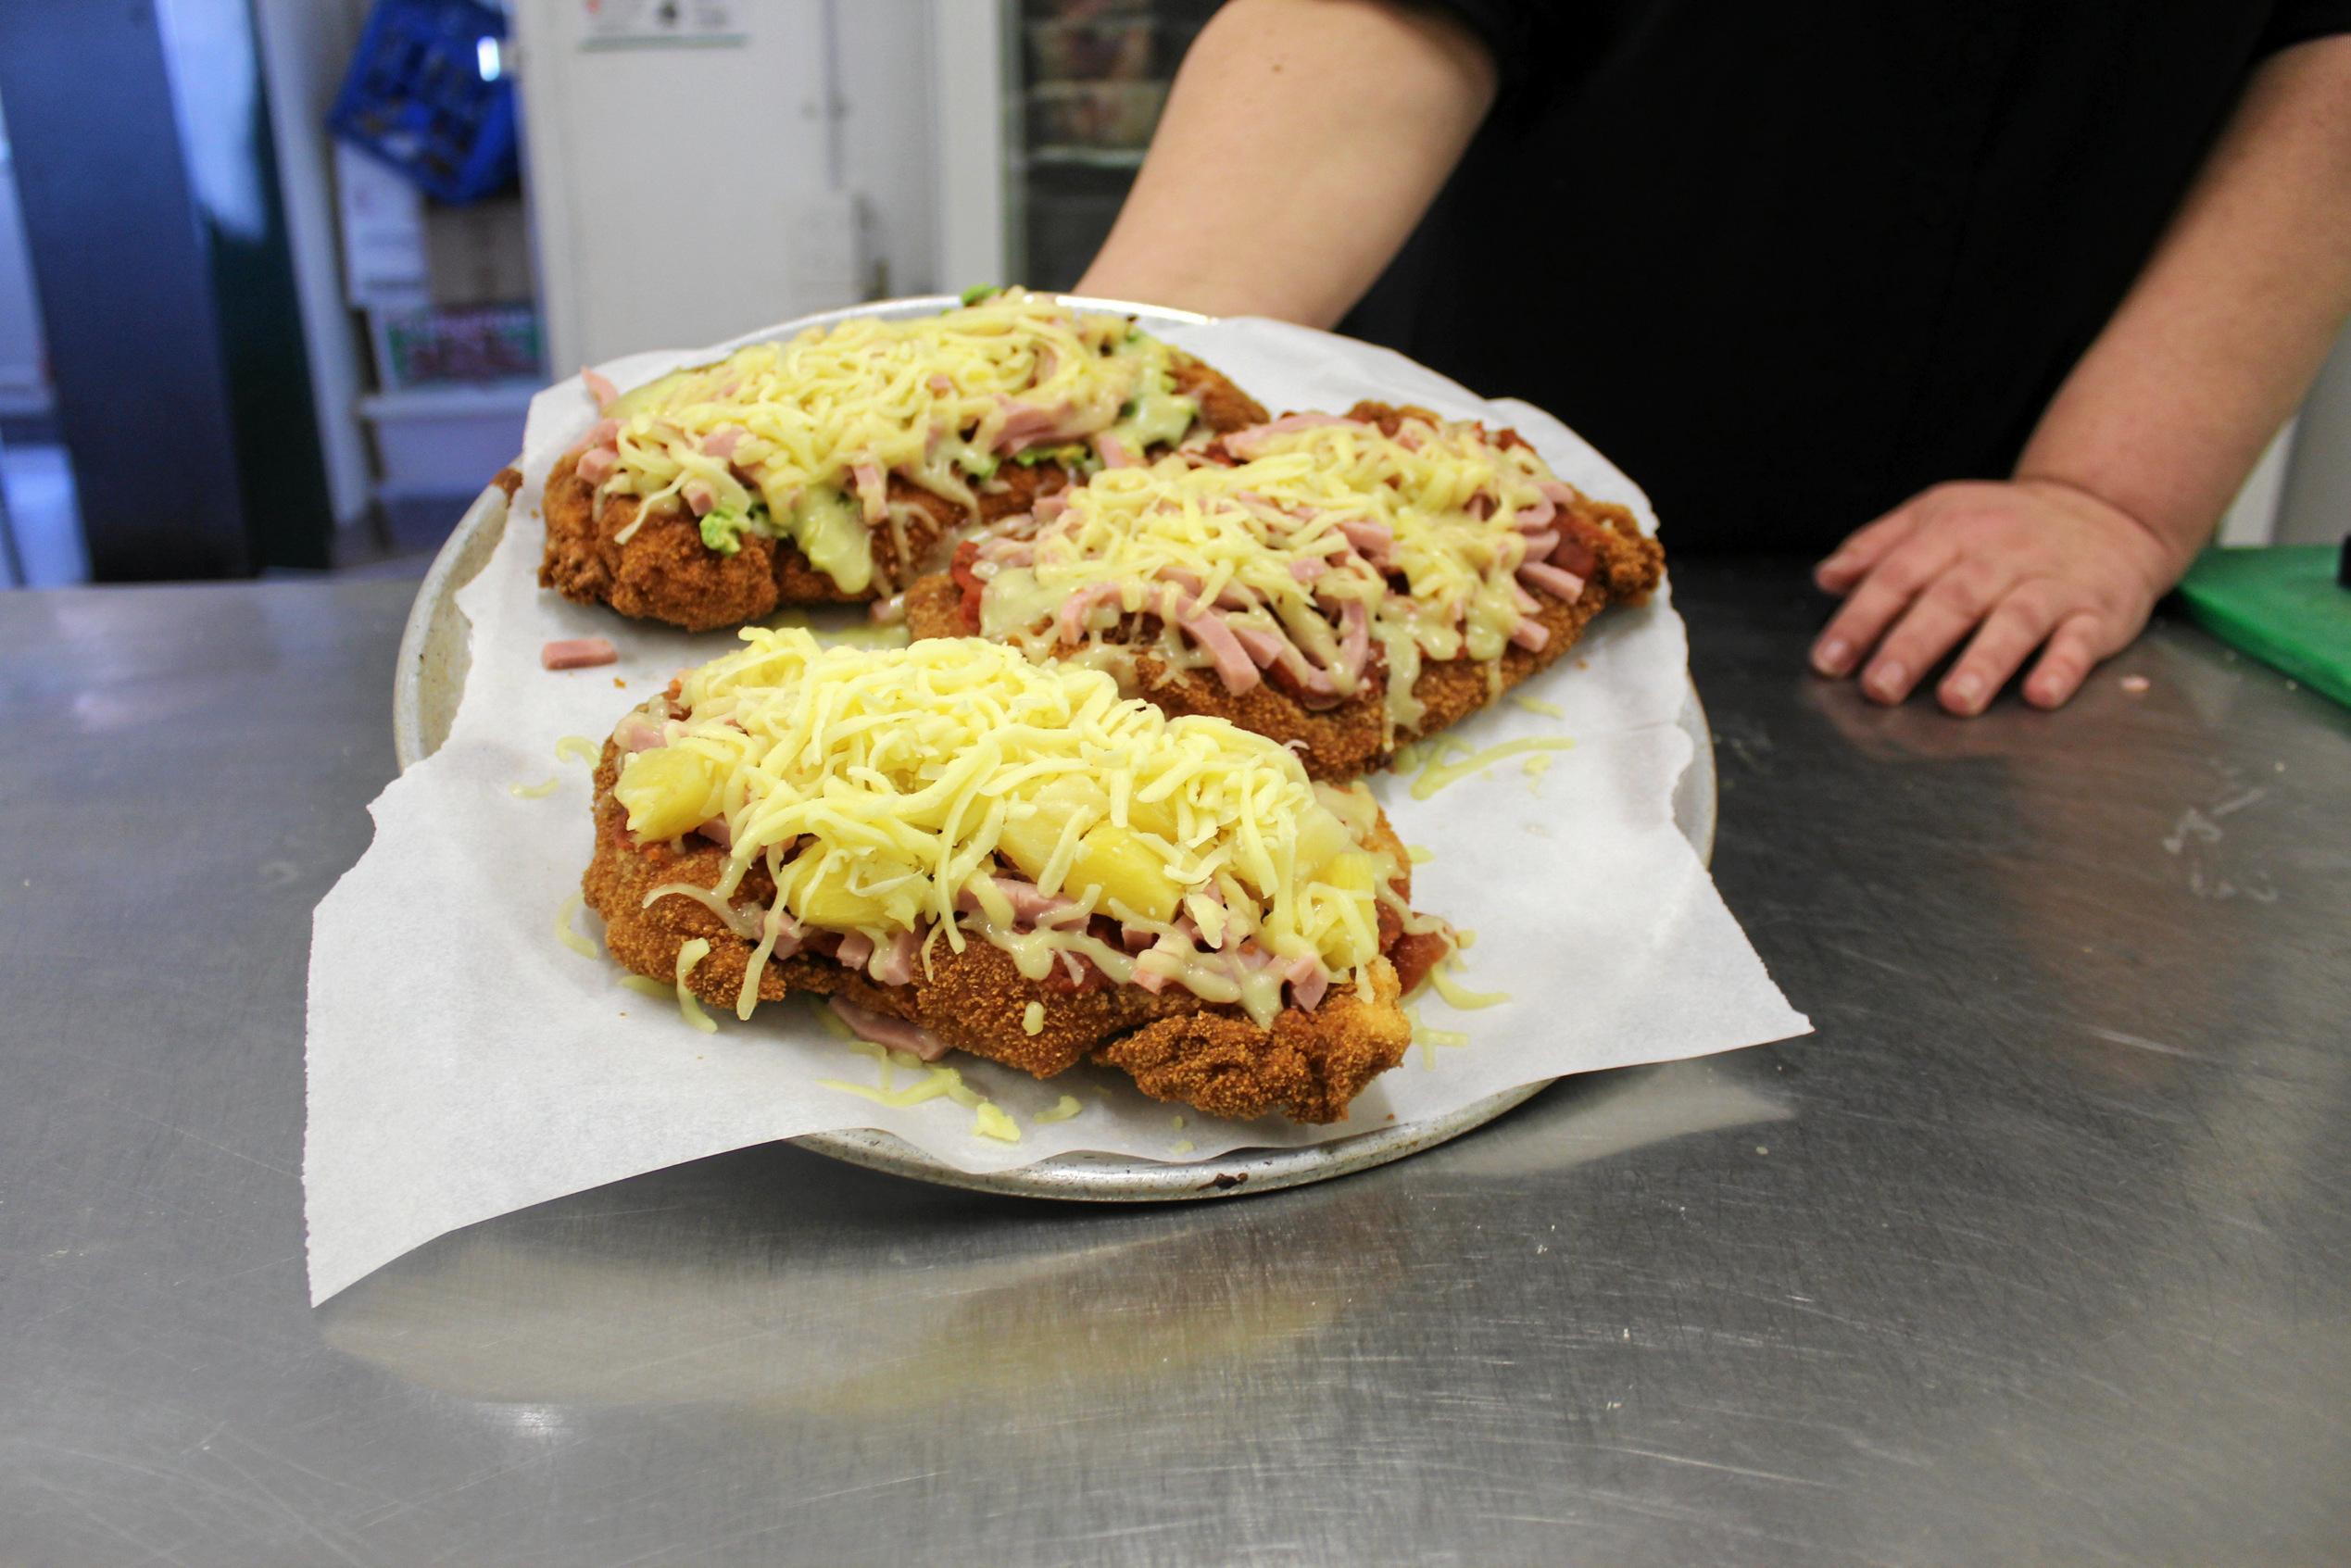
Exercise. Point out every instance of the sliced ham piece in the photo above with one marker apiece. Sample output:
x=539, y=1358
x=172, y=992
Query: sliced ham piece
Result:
x=1558, y=491
x=577, y=653
x=1246, y=444
x=1540, y=547
x=1536, y=518
x=1558, y=582
x=872, y=491
x=1215, y=638
x=1114, y=453
x=1026, y=425
x=721, y=443
x=855, y=949
x=942, y=384
x=896, y=1034
x=600, y=387
x=719, y=831
x=1354, y=639
x=1305, y=569
x=699, y=496
x=596, y=464
x=1029, y=907
x=1071, y=618
x=1530, y=634
x=1372, y=540
x=603, y=433
x=1048, y=508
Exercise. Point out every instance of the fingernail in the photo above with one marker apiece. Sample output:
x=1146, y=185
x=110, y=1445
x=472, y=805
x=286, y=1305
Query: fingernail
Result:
x=1967, y=690
x=1886, y=680
x=1833, y=656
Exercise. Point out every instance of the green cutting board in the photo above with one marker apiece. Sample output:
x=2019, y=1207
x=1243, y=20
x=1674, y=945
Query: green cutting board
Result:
x=2281, y=604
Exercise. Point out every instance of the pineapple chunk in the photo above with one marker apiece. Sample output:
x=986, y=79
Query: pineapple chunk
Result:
x=1029, y=841
x=1322, y=838
x=1353, y=871
x=1125, y=869
x=816, y=889
x=670, y=791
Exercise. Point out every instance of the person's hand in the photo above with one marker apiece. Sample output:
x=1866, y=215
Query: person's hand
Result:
x=2020, y=565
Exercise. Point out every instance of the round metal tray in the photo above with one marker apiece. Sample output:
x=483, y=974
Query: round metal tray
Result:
x=431, y=677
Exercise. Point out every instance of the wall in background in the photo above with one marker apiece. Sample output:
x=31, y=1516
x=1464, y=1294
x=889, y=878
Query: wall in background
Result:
x=686, y=194
x=306, y=45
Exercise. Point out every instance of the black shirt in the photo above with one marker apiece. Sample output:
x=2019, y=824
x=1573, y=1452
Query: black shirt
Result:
x=1789, y=264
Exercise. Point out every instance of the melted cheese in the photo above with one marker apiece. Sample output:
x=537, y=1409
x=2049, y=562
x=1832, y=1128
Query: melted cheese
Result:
x=1266, y=544
x=568, y=933
x=813, y=427
x=888, y=790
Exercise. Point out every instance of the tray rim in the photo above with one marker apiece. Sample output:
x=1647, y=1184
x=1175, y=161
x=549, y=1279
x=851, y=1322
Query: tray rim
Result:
x=428, y=677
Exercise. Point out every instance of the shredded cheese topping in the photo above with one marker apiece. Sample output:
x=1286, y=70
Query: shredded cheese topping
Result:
x=953, y=790
x=1328, y=538
x=797, y=440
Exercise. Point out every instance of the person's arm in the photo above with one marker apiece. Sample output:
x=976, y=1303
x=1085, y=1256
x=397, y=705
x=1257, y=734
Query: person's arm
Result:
x=1302, y=141
x=2138, y=454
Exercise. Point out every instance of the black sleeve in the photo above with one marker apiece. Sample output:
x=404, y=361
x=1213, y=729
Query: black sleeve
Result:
x=1516, y=33
x=2298, y=21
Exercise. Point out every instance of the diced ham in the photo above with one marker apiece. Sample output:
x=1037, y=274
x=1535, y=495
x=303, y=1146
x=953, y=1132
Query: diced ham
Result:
x=699, y=496
x=1540, y=547
x=596, y=464
x=719, y=831
x=1533, y=519
x=1480, y=505
x=1305, y=569
x=1553, y=579
x=896, y=1034
x=1048, y=508
x=895, y=964
x=603, y=433
x=638, y=732
x=942, y=384
x=600, y=387
x=855, y=949
x=1114, y=453
x=1557, y=492
x=1215, y=638
x=872, y=490
x=1307, y=983
x=1530, y=634
x=721, y=443
x=578, y=653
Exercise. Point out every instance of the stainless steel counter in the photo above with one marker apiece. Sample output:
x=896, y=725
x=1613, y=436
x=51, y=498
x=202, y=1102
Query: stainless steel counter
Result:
x=2039, y=1251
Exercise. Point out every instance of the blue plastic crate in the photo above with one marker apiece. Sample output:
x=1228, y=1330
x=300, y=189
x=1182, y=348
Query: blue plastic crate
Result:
x=427, y=94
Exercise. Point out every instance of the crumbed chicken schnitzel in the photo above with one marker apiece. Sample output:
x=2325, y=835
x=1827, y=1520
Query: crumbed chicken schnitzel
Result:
x=1598, y=551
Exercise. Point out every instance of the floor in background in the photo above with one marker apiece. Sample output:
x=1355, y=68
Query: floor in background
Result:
x=43, y=516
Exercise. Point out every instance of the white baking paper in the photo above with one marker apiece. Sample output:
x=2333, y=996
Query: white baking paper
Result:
x=463, y=1062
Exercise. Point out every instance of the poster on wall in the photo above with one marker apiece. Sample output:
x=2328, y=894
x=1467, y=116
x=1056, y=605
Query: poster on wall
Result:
x=624, y=24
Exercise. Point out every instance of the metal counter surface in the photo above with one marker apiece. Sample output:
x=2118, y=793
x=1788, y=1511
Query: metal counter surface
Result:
x=2039, y=1251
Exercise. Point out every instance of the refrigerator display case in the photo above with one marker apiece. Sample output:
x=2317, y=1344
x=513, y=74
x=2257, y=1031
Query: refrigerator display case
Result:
x=1048, y=106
